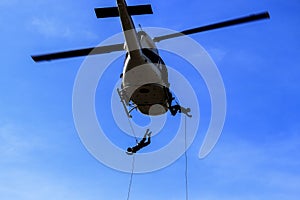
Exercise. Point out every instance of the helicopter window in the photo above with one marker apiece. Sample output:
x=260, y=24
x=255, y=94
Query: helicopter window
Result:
x=141, y=33
x=152, y=56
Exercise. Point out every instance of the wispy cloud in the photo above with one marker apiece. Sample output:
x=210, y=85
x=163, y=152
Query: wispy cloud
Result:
x=51, y=27
x=217, y=54
x=8, y=2
x=269, y=165
x=26, y=184
x=21, y=173
x=16, y=144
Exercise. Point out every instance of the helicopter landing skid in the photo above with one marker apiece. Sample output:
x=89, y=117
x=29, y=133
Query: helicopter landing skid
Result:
x=123, y=101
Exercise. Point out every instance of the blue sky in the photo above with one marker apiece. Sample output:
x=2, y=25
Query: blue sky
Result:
x=257, y=156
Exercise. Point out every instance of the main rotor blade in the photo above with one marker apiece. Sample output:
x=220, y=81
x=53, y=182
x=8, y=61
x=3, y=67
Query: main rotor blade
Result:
x=241, y=20
x=78, y=52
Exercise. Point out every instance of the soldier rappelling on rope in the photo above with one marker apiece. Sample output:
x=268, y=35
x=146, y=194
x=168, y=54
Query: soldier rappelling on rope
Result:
x=141, y=144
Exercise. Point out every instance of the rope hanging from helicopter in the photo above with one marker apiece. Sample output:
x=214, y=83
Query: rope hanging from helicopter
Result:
x=185, y=155
x=133, y=160
x=186, y=162
x=131, y=176
x=132, y=130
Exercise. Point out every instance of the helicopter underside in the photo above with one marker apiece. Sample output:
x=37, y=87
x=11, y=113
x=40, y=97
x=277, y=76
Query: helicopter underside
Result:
x=151, y=99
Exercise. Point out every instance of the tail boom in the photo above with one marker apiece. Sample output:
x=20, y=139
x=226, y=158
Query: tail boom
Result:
x=132, y=41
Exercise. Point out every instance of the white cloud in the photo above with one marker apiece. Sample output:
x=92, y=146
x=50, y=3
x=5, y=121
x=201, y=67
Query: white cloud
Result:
x=26, y=184
x=8, y=2
x=51, y=27
x=17, y=144
x=271, y=165
x=21, y=173
x=217, y=54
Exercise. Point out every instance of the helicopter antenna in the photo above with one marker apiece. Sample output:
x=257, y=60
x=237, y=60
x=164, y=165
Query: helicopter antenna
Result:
x=140, y=27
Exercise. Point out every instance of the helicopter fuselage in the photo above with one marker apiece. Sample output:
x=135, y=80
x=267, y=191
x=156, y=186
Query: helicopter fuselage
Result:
x=145, y=76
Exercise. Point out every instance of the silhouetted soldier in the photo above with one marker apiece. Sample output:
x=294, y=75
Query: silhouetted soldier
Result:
x=141, y=144
x=176, y=108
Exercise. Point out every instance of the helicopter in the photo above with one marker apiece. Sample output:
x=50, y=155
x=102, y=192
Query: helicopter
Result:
x=145, y=86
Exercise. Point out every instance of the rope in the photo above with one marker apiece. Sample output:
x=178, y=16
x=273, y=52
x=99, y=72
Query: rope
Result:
x=186, y=162
x=130, y=182
x=133, y=160
x=132, y=129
